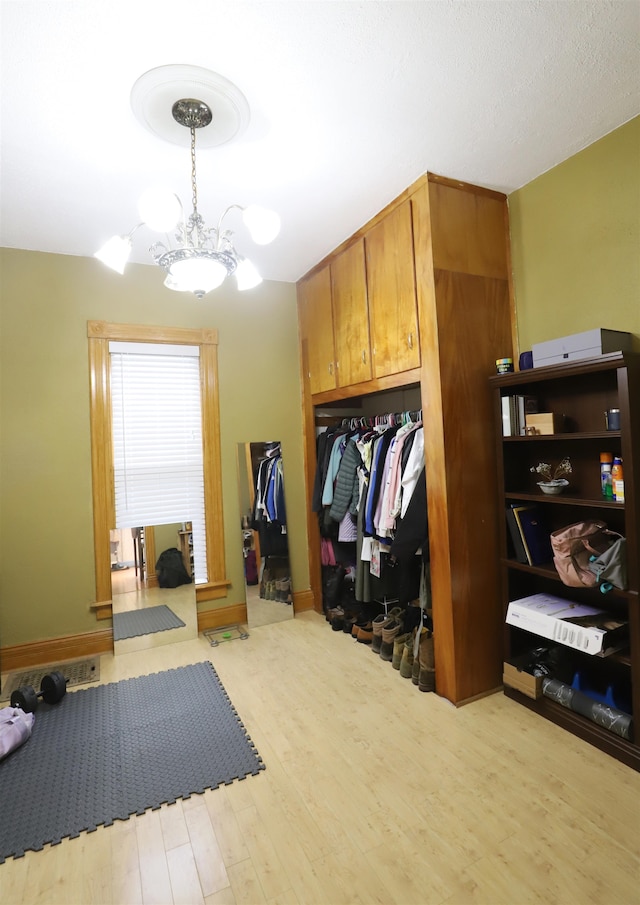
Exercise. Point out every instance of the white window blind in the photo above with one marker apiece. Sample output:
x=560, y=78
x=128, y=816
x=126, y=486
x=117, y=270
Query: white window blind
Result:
x=157, y=439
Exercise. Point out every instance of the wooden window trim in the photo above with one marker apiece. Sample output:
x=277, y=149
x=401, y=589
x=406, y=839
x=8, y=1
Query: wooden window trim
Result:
x=99, y=334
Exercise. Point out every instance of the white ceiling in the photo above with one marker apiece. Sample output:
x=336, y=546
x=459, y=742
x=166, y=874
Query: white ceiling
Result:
x=350, y=103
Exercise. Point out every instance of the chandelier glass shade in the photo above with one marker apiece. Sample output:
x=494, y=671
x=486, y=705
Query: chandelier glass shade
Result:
x=198, y=258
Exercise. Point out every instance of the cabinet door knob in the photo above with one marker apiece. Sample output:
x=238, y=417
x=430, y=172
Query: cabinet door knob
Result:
x=364, y=357
x=410, y=340
x=331, y=367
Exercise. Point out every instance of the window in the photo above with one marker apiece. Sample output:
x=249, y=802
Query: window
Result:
x=100, y=334
x=157, y=439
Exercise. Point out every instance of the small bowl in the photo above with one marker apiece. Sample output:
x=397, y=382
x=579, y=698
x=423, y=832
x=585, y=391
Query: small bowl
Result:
x=553, y=488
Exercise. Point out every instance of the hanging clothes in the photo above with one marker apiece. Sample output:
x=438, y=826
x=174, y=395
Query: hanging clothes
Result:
x=269, y=517
x=370, y=487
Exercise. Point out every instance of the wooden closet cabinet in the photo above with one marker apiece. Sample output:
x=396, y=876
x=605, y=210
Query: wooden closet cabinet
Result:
x=316, y=323
x=391, y=287
x=437, y=299
x=351, y=315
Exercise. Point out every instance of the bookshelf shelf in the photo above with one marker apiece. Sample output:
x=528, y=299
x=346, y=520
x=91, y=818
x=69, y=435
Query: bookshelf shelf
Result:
x=582, y=435
x=565, y=500
x=581, y=392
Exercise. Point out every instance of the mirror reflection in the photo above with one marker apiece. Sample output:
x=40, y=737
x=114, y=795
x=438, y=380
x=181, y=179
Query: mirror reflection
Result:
x=153, y=593
x=265, y=549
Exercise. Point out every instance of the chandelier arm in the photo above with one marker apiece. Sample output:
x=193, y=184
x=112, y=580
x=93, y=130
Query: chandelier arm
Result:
x=224, y=214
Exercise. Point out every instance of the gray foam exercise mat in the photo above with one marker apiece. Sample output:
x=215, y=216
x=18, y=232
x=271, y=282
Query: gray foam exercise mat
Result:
x=110, y=751
x=77, y=672
x=144, y=622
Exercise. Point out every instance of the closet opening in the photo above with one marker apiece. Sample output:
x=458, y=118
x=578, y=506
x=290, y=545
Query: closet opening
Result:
x=370, y=499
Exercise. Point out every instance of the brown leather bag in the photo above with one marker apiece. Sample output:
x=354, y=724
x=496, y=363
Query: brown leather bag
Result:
x=573, y=547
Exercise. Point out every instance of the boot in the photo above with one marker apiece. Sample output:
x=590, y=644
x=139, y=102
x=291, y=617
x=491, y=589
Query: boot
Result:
x=415, y=666
x=398, y=648
x=427, y=673
x=390, y=631
x=406, y=663
x=377, y=624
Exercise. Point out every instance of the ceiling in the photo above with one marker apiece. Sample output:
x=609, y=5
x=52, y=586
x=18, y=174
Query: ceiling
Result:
x=350, y=103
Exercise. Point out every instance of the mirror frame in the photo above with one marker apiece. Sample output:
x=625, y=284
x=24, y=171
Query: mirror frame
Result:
x=99, y=334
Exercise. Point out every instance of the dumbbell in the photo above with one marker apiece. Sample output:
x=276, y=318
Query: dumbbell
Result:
x=52, y=689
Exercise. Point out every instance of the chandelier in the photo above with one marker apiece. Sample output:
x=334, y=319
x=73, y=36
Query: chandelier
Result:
x=199, y=258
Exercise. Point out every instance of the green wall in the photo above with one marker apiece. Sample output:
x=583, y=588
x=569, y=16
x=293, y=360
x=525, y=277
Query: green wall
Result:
x=575, y=238
x=576, y=264
x=46, y=528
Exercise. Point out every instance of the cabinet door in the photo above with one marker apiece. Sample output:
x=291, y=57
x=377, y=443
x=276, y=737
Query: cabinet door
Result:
x=391, y=284
x=351, y=315
x=318, y=330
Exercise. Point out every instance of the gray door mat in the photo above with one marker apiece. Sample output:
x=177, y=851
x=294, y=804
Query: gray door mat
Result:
x=78, y=672
x=110, y=751
x=144, y=622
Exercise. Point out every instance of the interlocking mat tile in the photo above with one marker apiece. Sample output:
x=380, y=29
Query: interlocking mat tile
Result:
x=110, y=751
x=144, y=622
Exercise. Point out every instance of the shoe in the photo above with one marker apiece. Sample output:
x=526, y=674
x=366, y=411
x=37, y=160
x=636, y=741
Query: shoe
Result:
x=365, y=633
x=406, y=663
x=427, y=673
x=390, y=631
x=377, y=625
x=415, y=668
x=398, y=648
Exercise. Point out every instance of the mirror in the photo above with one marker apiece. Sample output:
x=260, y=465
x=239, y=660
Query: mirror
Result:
x=136, y=586
x=263, y=533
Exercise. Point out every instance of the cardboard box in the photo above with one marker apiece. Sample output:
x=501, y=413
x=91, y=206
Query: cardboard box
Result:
x=515, y=677
x=589, y=344
x=544, y=423
x=589, y=629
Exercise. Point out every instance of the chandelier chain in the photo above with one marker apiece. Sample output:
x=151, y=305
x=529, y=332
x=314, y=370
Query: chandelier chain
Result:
x=194, y=188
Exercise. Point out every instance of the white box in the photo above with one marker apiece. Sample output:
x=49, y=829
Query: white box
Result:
x=590, y=344
x=556, y=618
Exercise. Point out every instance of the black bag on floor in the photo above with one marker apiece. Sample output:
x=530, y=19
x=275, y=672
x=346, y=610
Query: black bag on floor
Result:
x=170, y=569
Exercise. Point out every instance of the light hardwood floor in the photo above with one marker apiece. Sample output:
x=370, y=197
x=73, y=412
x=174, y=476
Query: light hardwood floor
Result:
x=373, y=793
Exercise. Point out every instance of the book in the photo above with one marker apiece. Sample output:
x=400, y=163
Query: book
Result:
x=506, y=417
x=513, y=416
x=520, y=415
x=535, y=534
x=516, y=537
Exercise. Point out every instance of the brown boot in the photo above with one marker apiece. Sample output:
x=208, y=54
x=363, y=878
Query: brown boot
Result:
x=390, y=631
x=427, y=673
x=415, y=666
x=378, y=623
x=406, y=663
x=398, y=648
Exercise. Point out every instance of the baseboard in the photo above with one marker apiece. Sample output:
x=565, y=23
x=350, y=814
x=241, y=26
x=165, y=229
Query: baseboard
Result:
x=225, y=615
x=478, y=697
x=303, y=601
x=71, y=647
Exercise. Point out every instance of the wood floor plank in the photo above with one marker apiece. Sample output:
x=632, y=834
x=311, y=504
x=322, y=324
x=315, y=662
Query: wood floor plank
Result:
x=174, y=826
x=206, y=850
x=245, y=884
x=183, y=874
x=154, y=871
x=126, y=880
x=225, y=826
